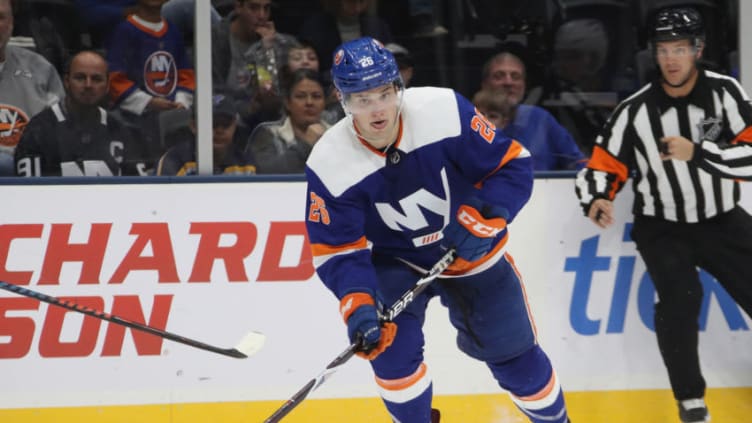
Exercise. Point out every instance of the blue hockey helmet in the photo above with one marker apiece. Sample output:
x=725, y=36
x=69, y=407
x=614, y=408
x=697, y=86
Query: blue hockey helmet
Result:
x=363, y=64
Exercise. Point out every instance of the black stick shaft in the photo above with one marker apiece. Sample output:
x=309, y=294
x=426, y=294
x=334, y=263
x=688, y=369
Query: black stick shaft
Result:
x=398, y=307
x=70, y=305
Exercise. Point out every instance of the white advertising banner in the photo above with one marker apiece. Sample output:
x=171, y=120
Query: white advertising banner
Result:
x=214, y=261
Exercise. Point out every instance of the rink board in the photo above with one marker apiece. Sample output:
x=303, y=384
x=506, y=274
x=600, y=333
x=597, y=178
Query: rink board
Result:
x=727, y=405
x=214, y=261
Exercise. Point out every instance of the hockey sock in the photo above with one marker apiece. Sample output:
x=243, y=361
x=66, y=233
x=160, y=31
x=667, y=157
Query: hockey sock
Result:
x=533, y=386
x=408, y=399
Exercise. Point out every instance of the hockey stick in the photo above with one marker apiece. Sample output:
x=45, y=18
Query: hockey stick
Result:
x=249, y=345
x=398, y=307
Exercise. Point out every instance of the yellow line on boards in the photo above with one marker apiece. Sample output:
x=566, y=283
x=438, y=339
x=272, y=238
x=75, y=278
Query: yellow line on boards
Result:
x=727, y=405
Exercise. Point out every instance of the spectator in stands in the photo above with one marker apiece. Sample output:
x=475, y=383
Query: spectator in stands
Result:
x=76, y=136
x=404, y=60
x=423, y=19
x=303, y=55
x=580, y=53
x=284, y=146
x=28, y=84
x=577, y=92
x=149, y=71
x=503, y=88
x=103, y=16
x=181, y=14
x=340, y=21
x=229, y=154
x=247, y=56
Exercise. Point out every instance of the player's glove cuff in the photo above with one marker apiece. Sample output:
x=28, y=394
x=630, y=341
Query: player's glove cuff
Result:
x=352, y=301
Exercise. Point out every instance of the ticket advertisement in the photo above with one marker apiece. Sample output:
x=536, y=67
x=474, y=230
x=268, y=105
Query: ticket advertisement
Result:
x=215, y=261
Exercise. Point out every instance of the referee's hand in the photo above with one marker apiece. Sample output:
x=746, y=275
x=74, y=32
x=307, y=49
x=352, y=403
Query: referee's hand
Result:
x=677, y=147
x=602, y=212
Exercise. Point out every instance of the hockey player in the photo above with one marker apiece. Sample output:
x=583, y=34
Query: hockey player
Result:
x=684, y=138
x=404, y=176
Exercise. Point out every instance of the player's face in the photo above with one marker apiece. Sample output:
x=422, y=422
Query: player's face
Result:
x=6, y=25
x=305, y=103
x=86, y=82
x=254, y=13
x=676, y=60
x=302, y=58
x=375, y=114
x=508, y=75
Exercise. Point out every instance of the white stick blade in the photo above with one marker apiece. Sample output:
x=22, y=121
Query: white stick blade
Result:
x=251, y=343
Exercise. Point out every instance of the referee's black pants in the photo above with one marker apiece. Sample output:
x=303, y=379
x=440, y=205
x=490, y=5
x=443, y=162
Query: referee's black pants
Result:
x=672, y=251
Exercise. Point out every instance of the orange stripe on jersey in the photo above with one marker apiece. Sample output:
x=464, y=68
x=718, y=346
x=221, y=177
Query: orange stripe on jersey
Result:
x=460, y=265
x=374, y=150
x=543, y=392
x=325, y=249
x=119, y=84
x=744, y=136
x=510, y=260
x=514, y=150
x=602, y=160
x=187, y=79
x=405, y=382
x=147, y=30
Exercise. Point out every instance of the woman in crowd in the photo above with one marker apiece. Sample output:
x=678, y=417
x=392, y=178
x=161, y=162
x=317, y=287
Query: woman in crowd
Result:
x=283, y=146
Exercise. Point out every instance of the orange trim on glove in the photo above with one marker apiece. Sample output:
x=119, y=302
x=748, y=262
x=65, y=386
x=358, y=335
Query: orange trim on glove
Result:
x=350, y=302
x=388, y=332
x=478, y=225
x=461, y=266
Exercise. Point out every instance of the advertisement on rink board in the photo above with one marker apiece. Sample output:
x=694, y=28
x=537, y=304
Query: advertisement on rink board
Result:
x=214, y=261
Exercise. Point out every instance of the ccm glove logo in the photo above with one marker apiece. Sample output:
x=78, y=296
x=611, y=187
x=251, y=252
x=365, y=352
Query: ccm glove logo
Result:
x=479, y=226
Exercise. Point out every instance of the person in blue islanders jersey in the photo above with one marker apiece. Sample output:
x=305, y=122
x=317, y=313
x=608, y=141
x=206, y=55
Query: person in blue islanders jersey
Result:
x=403, y=177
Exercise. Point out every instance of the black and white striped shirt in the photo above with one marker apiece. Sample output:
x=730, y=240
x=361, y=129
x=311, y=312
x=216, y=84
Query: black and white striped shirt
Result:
x=716, y=115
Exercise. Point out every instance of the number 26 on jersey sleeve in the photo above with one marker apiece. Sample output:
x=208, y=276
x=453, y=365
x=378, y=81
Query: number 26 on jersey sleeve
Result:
x=483, y=126
x=317, y=211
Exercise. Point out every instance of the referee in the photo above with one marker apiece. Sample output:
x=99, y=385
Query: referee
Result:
x=685, y=139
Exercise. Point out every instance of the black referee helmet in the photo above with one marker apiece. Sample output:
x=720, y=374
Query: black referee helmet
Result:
x=679, y=23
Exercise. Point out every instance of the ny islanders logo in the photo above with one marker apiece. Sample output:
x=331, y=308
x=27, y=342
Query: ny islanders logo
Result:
x=12, y=123
x=339, y=56
x=412, y=217
x=160, y=74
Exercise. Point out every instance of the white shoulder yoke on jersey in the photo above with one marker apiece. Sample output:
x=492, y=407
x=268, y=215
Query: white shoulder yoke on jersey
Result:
x=429, y=115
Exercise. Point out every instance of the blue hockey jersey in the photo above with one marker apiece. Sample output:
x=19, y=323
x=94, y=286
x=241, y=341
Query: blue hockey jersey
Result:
x=147, y=61
x=397, y=202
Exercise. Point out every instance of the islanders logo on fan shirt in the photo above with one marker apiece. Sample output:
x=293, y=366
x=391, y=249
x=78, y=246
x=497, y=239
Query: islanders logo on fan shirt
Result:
x=12, y=123
x=160, y=74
